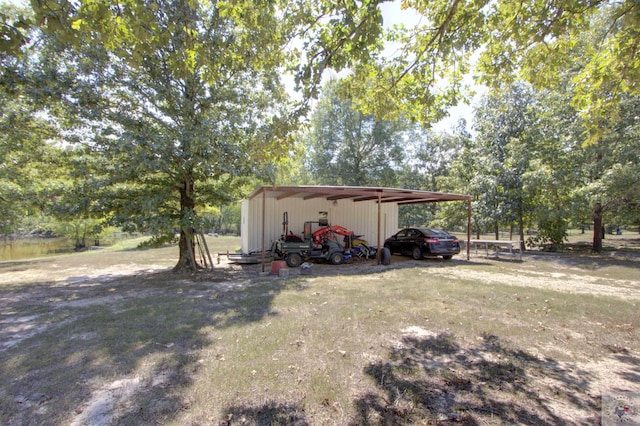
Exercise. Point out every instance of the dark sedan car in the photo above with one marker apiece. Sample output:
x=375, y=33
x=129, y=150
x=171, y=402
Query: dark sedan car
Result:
x=420, y=242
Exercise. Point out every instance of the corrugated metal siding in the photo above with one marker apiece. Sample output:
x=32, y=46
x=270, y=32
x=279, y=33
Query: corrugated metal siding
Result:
x=244, y=226
x=361, y=217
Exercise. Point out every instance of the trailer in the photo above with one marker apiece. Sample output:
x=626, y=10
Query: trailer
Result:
x=247, y=258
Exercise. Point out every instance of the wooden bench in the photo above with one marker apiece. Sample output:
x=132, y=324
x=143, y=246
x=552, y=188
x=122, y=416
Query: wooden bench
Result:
x=497, y=244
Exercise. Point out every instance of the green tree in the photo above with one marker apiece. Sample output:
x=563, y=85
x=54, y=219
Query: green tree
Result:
x=622, y=181
x=555, y=163
x=608, y=184
x=182, y=98
x=532, y=41
x=15, y=28
x=427, y=165
x=420, y=73
x=458, y=174
x=604, y=102
x=223, y=219
x=503, y=122
x=23, y=132
x=347, y=147
x=71, y=194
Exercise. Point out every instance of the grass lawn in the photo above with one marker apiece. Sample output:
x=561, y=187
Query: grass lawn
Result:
x=113, y=337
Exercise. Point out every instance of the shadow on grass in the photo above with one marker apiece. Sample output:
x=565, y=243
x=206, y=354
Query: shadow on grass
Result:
x=580, y=254
x=434, y=380
x=268, y=414
x=590, y=262
x=21, y=265
x=632, y=374
x=114, y=351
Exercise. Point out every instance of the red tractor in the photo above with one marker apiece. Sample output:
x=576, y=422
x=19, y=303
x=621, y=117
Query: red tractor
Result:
x=322, y=243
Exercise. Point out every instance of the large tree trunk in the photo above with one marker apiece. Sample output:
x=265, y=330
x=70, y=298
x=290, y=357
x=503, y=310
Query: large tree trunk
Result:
x=597, y=228
x=187, y=259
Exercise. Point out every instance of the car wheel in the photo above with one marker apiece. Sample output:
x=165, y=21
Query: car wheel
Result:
x=447, y=257
x=385, y=256
x=416, y=253
x=293, y=260
x=336, y=258
x=388, y=247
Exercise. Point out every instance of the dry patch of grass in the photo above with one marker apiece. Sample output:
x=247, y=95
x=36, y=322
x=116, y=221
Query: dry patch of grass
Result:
x=533, y=342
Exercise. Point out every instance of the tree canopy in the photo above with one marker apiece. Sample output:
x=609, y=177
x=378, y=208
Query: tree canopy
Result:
x=347, y=147
x=183, y=99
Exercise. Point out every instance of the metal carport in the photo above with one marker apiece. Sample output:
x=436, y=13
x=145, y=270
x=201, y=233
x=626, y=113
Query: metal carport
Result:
x=357, y=194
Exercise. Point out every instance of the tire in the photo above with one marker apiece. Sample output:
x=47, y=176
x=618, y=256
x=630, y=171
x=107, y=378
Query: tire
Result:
x=416, y=253
x=447, y=257
x=385, y=256
x=388, y=247
x=293, y=260
x=335, y=258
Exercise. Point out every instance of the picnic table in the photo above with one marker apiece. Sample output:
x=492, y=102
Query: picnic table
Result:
x=510, y=246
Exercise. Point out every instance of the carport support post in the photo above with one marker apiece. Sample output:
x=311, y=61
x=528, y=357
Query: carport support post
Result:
x=468, y=227
x=264, y=203
x=379, y=252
